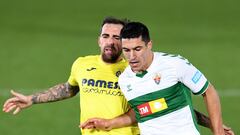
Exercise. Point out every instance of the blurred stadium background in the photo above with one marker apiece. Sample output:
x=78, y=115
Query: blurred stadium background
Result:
x=39, y=40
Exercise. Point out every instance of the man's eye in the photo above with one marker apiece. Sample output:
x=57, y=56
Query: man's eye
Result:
x=138, y=49
x=126, y=50
x=117, y=38
x=104, y=36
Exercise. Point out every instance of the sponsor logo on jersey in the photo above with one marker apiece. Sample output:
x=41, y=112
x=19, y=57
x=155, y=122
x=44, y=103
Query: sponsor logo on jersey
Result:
x=100, y=83
x=103, y=87
x=129, y=88
x=90, y=69
x=157, y=78
x=196, y=77
x=101, y=91
x=152, y=107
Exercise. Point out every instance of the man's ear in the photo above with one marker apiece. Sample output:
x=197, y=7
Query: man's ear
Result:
x=149, y=45
x=98, y=41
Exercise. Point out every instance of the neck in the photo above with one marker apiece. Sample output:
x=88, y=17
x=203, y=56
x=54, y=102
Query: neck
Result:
x=108, y=62
x=149, y=61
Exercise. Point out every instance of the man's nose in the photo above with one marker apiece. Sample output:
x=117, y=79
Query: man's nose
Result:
x=132, y=55
x=110, y=41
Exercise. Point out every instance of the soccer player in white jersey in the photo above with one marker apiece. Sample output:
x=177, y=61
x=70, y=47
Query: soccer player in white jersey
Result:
x=157, y=86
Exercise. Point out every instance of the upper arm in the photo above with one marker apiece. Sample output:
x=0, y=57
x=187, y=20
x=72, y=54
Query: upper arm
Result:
x=72, y=89
x=210, y=91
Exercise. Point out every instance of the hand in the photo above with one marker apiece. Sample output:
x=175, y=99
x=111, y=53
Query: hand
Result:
x=17, y=103
x=228, y=130
x=96, y=123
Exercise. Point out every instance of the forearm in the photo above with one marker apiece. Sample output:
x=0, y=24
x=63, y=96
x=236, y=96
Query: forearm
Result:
x=124, y=120
x=56, y=93
x=202, y=119
x=212, y=102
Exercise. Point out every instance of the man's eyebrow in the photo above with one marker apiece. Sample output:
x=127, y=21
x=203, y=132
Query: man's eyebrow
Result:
x=116, y=35
x=132, y=48
x=104, y=34
x=124, y=48
x=137, y=47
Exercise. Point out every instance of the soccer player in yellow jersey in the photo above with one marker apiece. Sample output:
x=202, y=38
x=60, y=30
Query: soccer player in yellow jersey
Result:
x=96, y=77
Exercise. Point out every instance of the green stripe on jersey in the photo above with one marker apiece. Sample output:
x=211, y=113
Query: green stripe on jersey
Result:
x=176, y=96
x=203, y=89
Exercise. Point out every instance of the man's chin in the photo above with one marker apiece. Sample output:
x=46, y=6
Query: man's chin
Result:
x=135, y=69
x=109, y=59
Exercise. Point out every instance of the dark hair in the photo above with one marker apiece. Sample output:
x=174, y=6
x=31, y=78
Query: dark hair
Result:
x=135, y=30
x=113, y=20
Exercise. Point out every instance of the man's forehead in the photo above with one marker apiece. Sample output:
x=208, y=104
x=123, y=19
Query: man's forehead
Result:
x=112, y=27
x=132, y=42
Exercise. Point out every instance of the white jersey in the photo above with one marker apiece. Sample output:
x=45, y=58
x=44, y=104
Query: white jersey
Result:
x=161, y=96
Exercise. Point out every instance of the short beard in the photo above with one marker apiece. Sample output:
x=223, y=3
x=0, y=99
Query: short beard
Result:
x=112, y=59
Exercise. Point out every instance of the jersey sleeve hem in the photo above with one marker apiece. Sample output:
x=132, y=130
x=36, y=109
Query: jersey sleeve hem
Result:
x=72, y=83
x=203, y=89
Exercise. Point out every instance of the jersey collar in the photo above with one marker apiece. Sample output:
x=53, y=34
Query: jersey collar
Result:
x=141, y=74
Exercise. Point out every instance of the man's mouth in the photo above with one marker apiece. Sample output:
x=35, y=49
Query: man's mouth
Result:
x=108, y=50
x=133, y=63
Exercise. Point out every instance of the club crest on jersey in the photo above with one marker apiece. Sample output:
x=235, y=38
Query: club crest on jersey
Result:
x=157, y=78
x=118, y=73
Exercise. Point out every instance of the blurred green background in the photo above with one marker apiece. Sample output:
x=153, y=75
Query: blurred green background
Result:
x=39, y=40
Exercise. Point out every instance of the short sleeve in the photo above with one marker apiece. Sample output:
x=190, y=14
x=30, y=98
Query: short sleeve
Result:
x=72, y=78
x=190, y=76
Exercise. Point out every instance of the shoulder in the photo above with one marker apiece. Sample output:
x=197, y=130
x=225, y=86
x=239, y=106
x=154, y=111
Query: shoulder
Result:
x=125, y=75
x=171, y=59
x=167, y=56
x=86, y=59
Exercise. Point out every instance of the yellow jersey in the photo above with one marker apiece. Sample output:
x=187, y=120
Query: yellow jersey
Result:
x=100, y=94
